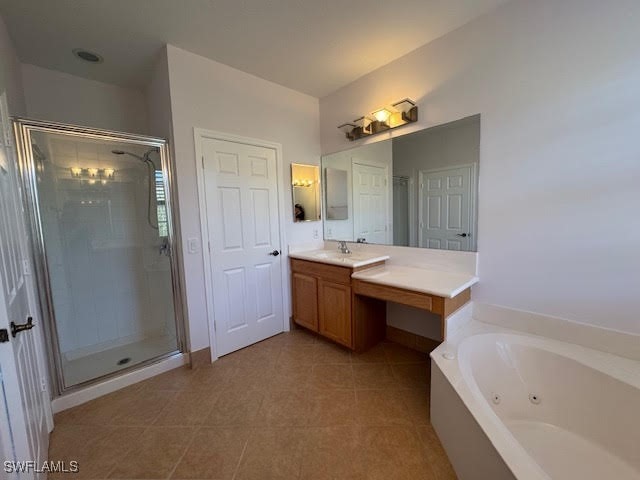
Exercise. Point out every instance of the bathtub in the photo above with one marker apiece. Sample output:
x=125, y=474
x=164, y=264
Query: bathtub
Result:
x=511, y=405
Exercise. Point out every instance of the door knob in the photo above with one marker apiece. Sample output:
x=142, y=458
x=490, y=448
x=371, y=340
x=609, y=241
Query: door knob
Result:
x=462, y=235
x=17, y=328
x=275, y=253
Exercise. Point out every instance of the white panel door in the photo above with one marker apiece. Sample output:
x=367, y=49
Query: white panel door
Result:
x=371, y=203
x=241, y=190
x=27, y=409
x=445, y=208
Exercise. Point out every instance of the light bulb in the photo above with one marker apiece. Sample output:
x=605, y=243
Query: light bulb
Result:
x=382, y=115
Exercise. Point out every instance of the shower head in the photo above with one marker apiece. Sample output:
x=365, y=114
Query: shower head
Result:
x=144, y=158
x=122, y=152
x=151, y=171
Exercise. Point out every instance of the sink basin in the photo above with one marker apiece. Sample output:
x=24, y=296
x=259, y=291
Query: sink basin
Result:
x=333, y=254
x=336, y=257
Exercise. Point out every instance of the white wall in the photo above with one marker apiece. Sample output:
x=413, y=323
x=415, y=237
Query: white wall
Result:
x=208, y=94
x=10, y=73
x=557, y=86
x=61, y=97
x=158, y=98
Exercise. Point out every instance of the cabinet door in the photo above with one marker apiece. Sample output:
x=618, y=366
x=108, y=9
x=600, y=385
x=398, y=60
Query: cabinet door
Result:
x=334, y=301
x=305, y=300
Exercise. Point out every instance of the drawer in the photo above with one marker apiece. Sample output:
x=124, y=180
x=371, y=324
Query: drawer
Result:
x=333, y=273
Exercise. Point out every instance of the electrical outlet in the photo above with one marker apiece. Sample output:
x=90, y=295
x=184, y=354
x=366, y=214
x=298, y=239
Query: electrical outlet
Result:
x=315, y=234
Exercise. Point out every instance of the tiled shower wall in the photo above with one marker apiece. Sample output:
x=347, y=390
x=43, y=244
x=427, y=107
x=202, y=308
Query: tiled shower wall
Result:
x=109, y=282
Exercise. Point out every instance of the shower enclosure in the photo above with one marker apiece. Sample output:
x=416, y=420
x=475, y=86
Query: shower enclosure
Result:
x=100, y=210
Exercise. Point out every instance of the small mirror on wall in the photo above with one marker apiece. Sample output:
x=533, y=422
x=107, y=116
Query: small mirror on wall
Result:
x=305, y=184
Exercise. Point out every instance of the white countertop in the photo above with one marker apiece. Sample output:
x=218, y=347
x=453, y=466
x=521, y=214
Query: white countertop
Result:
x=433, y=282
x=334, y=257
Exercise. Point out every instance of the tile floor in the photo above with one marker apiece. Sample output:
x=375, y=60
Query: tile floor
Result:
x=291, y=407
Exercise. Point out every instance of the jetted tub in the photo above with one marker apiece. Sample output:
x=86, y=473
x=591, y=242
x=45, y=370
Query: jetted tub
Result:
x=530, y=407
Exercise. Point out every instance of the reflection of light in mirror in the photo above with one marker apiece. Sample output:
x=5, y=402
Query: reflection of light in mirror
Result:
x=92, y=182
x=303, y=182
x=93, y=173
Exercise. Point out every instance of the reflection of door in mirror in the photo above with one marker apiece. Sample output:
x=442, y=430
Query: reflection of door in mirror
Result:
x=445, y=208
x=371, y=199
x=305, y=186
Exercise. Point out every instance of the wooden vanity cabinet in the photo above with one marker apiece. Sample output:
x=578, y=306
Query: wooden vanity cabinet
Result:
x=352, y=311
x=305, y=305
x=334, y=302
x=322, y=299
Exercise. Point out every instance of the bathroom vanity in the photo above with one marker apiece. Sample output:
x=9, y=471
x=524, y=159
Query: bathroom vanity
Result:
x=343, y=296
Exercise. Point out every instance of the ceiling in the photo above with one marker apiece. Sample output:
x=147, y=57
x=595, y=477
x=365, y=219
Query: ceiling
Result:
x=313, y=46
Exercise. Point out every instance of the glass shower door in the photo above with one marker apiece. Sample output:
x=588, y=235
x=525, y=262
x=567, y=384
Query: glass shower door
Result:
x=104, y=226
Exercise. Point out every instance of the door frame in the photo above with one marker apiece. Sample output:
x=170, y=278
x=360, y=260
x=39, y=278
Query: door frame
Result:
x=472, y=200
x=22, y=128
x=201, y=134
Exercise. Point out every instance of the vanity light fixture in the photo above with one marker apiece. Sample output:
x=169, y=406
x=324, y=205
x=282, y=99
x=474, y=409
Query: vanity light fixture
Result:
x=93, y=172
x=109, y=173
x=76, y=172
x=347, y=128
x=408, y=110
x=385, y=118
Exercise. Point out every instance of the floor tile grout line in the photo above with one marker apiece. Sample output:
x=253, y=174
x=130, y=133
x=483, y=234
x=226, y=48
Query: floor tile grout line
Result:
x=244, y=449
x=186, y=448
x=115, y=465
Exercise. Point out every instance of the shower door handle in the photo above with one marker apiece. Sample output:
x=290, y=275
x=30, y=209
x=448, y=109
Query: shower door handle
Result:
x=164, y=249
x=17, y=328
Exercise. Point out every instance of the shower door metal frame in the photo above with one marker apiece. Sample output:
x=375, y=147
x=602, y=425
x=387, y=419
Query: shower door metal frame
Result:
x=22, y=130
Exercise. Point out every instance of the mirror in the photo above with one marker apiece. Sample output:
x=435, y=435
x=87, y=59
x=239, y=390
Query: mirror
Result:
x=415, y=190
x=337, y=193
x=305, y=185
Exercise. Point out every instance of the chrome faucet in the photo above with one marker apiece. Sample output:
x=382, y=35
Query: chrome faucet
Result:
x=342, y=246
